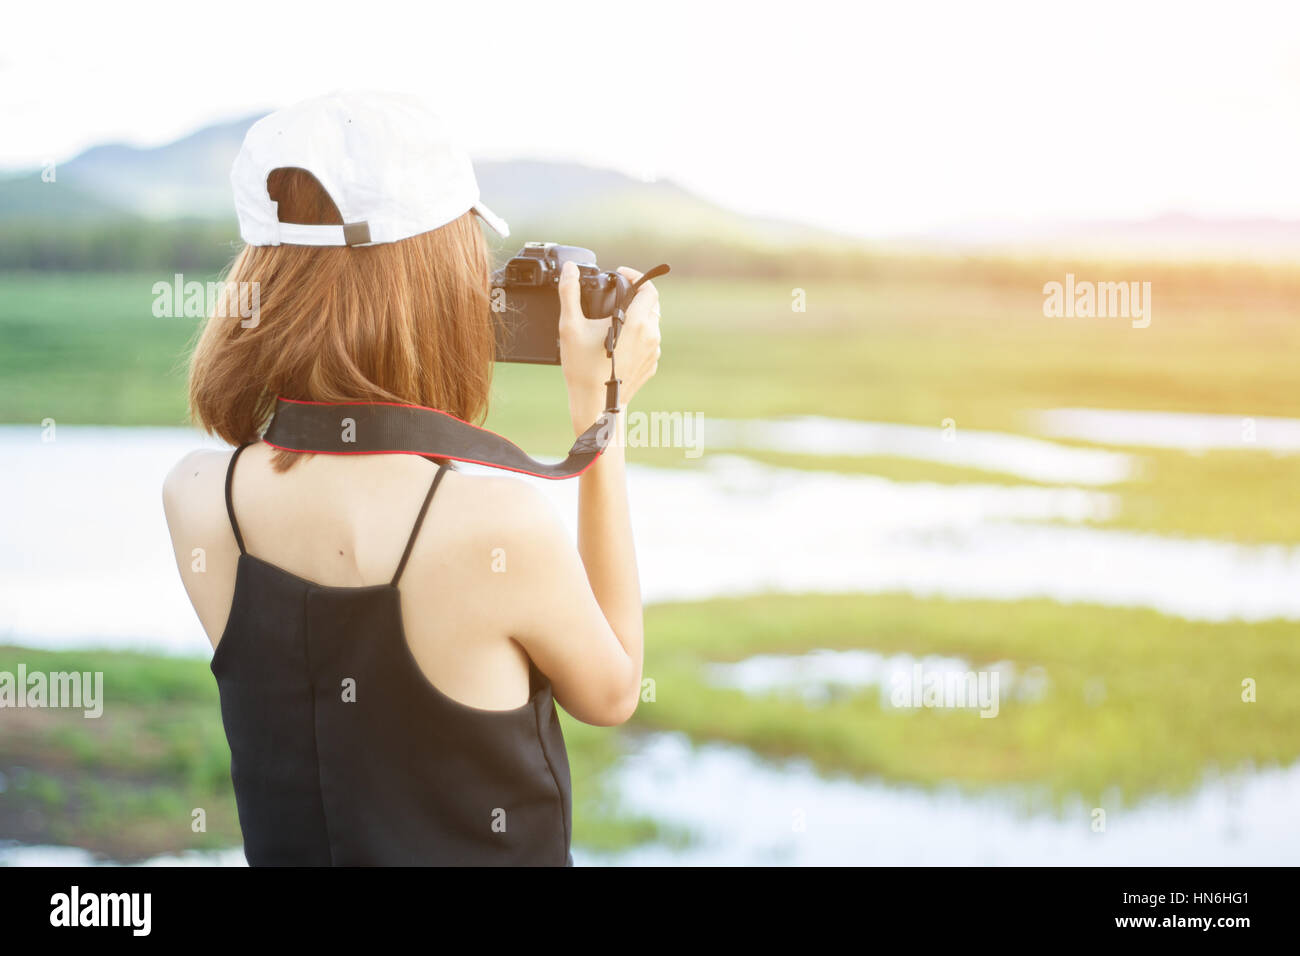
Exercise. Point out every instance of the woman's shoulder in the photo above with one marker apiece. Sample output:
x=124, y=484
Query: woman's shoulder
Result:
x=500, y=505
x=192, y=484
x=196, y=463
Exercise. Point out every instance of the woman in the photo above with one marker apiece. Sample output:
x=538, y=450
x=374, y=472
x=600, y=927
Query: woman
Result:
x=389, y=634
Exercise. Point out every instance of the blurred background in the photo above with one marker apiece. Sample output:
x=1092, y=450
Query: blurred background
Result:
x=884, y=455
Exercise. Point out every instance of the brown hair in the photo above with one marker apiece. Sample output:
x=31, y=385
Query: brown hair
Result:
x=404, y=321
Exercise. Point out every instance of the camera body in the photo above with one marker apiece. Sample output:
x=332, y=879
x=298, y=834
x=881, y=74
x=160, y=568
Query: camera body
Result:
x=526, y=299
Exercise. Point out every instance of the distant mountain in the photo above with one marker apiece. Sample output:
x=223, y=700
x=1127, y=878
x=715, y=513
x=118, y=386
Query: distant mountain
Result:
x=187, y=178
x=190, y=178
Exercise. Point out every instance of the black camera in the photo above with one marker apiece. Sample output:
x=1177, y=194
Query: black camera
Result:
x=526, y=299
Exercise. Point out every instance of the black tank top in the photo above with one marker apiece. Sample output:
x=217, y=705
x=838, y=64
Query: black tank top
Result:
x=342, y=752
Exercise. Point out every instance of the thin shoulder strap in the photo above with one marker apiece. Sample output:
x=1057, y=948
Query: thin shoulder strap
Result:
x=230, y=505
x=424, y=508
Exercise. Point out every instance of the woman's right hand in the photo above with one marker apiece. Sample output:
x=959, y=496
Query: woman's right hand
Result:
x=582, y=347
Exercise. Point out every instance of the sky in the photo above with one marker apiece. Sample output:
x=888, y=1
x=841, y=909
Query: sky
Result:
x=875, y=119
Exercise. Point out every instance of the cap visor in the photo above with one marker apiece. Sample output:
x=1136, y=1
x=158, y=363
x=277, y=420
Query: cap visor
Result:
x=492, y=219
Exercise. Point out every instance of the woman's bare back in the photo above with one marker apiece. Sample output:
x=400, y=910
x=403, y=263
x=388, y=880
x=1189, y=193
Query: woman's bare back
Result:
x=344, y=522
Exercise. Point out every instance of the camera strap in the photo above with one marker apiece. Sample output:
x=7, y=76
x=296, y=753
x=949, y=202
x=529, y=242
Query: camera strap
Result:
x=615, y=327
x=386, y=428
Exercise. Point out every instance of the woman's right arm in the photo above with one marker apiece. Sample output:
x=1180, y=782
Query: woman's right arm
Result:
x=587, y=635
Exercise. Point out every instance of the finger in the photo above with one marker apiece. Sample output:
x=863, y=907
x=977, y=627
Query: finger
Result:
x=647, y=297
x=570, y=294
x=648, y=329
x=629, y=273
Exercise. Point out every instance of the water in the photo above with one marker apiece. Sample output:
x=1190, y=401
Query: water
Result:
x=822, y=676
x=84, y=555
x=12, y=854
x=997, y=452
x=746, y=811
x=1181, y=430
x=86, y=558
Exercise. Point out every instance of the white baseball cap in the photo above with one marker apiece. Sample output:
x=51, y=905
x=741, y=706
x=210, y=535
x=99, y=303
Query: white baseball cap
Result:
x=385, y=159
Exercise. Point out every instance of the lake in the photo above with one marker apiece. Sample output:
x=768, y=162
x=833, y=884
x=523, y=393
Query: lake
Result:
x=89, y=505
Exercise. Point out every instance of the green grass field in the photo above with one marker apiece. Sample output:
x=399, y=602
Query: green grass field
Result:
x=86, y=348
x=1172, y=691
